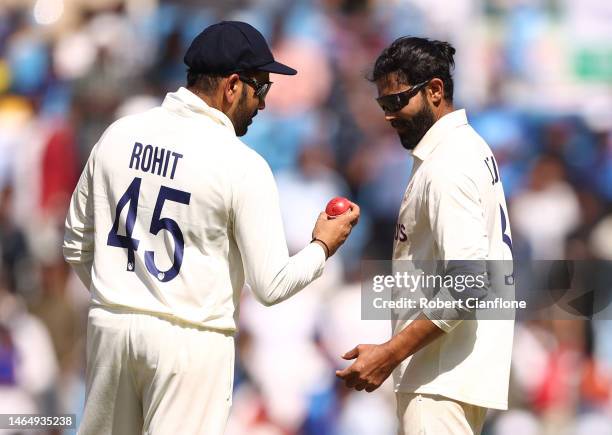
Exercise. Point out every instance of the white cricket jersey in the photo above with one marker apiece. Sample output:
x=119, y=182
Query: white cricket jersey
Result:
x=454, y=209
x=173, y=212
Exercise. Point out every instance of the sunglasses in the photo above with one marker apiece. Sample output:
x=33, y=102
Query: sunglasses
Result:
x=395, y=102
x=261, y=89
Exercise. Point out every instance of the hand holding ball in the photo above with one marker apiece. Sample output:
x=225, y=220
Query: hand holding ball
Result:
x=331, y=230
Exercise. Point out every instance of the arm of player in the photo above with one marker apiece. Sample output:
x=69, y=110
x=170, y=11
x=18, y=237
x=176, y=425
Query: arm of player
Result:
x=258, y=229
x=375, y=362
x=459, y=231
x=78, y=246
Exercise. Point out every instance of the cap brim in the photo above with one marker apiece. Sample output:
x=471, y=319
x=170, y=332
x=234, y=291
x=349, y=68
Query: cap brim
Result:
x=277, y=68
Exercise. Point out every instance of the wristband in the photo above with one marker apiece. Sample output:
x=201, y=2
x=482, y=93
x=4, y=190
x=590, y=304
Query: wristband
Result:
x=324, y=245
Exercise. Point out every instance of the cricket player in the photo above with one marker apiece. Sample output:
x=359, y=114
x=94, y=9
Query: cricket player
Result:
x=447, y=370
x=171, y=215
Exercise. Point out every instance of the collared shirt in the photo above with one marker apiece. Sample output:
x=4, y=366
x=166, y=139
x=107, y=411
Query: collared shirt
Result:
x=454, y=209
x=173, y=213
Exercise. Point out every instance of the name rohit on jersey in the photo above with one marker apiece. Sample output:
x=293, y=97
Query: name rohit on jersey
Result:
x=155, y=160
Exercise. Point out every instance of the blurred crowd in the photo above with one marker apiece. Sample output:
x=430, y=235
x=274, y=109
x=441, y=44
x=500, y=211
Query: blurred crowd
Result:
x=534, y=76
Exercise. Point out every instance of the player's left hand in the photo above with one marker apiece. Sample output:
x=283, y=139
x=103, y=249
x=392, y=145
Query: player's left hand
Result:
x=374, y=364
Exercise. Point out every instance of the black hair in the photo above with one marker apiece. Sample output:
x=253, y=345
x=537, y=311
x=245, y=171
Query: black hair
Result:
x=203, y=81
x=416, y=60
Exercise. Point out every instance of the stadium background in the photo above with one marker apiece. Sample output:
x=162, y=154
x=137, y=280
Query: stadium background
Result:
x=534, y=76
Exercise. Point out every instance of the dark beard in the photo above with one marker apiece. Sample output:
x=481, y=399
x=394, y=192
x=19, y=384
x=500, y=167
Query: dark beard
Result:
x=415, y=127
x=242, y=117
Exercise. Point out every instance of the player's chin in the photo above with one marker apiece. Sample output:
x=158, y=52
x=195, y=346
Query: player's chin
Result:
x=242, y=131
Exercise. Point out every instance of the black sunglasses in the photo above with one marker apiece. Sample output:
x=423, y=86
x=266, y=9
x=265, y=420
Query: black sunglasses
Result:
x=261, y=89
x=395, y=102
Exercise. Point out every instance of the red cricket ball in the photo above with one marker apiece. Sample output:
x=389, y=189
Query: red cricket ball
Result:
x=337, y=206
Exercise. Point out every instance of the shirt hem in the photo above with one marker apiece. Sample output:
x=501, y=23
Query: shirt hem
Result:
x=122, y=309
x=453, y=395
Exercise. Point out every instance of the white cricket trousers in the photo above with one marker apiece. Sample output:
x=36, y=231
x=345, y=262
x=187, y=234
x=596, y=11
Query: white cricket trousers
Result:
x=156, y=376
x=430, y=414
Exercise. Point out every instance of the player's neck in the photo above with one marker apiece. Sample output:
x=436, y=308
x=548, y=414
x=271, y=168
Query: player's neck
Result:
x=443, y=109
x=208, y=99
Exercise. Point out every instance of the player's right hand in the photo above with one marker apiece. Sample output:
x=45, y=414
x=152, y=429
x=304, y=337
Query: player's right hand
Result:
x=334, y=231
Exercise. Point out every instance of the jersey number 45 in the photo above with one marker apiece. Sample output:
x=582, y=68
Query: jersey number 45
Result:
x=157, y=224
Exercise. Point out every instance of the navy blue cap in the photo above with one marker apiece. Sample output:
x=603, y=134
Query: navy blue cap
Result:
x=232, y=46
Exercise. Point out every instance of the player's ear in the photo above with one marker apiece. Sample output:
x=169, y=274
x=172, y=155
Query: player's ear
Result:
x=435, y=91
x=231, y=88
